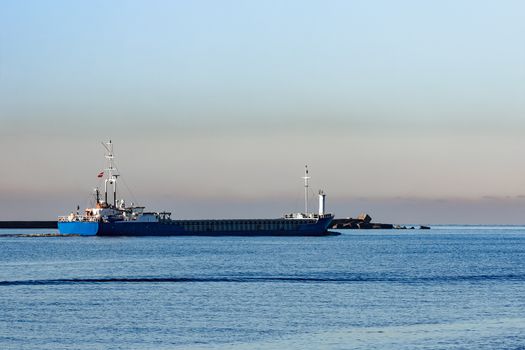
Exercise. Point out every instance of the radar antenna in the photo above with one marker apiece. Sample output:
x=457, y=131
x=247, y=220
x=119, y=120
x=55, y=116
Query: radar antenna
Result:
x=306, y=178
x=111, y=171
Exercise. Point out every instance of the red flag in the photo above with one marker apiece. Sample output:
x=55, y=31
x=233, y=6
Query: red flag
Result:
x=100, y=174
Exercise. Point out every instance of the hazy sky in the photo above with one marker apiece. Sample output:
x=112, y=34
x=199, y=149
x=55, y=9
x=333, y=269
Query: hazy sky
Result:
x=411, y=110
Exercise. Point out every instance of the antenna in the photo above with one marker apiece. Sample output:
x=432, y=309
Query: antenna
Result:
x=306, y=178
x=109, y=156
x=112, y=177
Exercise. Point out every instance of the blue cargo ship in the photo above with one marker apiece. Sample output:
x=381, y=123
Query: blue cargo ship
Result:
x=117, y=219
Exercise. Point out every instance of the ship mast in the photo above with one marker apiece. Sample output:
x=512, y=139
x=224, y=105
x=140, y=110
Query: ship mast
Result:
x=306, y=178
x=112, y=176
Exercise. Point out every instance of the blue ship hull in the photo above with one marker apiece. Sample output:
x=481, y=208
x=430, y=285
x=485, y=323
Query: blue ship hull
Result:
x=81, y=228
x=281, y=227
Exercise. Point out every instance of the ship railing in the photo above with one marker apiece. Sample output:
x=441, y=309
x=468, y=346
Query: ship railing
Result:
x=307, y=216
x=78, y=218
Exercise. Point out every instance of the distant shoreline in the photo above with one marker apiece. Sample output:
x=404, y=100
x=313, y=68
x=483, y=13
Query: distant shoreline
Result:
x=28, y=224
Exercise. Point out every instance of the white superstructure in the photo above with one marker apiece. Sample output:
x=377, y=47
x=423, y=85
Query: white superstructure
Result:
x=105, y=211
x=306, y=214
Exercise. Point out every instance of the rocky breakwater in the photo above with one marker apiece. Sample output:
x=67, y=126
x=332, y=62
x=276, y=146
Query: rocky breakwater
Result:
x=364, y=222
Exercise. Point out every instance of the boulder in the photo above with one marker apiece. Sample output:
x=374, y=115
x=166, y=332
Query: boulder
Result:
x=364, y=226
x=364, y=217
x=382, y=226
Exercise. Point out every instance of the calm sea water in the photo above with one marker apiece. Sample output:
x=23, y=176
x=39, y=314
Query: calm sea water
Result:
x=447, y=288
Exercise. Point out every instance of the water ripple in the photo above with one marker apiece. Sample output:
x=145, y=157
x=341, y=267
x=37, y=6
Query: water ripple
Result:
x=270, y=279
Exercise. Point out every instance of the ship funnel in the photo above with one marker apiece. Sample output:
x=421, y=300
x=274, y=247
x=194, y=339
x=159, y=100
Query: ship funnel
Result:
x=322, y=198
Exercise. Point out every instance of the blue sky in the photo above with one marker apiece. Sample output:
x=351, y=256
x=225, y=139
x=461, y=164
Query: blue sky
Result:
x=388, y=101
